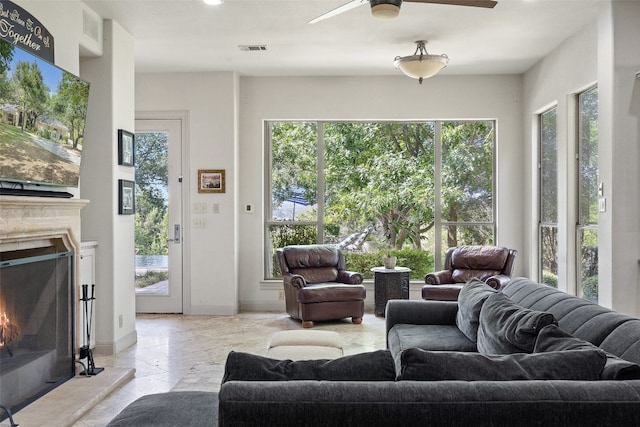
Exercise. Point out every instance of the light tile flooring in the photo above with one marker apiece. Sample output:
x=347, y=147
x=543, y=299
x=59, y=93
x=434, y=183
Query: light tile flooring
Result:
x=169, y=349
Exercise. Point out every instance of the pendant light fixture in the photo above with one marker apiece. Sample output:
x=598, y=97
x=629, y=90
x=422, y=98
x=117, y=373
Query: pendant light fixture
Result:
x=421, y=65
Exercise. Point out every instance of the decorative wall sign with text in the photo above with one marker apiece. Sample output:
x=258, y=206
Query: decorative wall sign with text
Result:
x=20, y=28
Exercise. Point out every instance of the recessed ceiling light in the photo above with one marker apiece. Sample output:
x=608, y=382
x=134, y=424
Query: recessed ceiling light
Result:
x=213, y=2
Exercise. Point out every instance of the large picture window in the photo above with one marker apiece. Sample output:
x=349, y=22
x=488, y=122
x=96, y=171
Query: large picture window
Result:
x=411, y=189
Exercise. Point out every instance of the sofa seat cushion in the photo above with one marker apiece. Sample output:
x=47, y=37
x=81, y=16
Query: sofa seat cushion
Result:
x=427, y=337
x=421, y=365
x=470, y=301
x=178, y=408
x=370, y=366
x=553, y=338
x=506, y=327
x=331, y=292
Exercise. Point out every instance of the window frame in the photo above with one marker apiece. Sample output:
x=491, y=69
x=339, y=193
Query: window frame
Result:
x=440, y=224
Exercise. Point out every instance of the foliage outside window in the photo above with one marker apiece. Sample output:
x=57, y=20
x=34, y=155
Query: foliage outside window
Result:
x=548, y=227
x=410, y=189
x=152, y=202
x=587, y=228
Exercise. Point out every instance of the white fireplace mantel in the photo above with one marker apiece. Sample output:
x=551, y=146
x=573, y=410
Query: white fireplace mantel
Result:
x=25, y=221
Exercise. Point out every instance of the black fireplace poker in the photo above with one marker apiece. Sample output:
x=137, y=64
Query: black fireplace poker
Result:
x=85, y=350
x=9, y=415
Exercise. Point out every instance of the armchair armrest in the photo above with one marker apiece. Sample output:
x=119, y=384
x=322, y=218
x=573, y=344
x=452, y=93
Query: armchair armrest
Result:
x=420, y=312
x=439, y=277
x=349, y=277
x=294, y=280
x=498, y=281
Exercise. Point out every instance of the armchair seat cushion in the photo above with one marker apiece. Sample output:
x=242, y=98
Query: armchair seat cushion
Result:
x=460, y=275
x=331, y=292
x=441, y=292
x=317, y=274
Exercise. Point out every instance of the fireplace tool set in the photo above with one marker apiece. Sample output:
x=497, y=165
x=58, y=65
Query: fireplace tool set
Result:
x=85, y=350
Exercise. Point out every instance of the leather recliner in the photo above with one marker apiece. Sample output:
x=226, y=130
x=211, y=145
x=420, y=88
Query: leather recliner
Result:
x=318, y=287
x=491, y=264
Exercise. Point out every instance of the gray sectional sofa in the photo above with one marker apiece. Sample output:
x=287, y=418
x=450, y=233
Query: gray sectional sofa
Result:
x=527, y=356
x=431, y=326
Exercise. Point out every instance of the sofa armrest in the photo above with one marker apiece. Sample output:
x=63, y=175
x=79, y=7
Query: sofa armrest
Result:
x=349, y=277
x=438, y=277
x=420, y=312
x=498, y=281
x=294, y=280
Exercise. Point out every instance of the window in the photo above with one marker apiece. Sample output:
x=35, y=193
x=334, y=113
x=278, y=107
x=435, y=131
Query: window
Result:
x=548, y=199
x=587, y=227
x=411, y=189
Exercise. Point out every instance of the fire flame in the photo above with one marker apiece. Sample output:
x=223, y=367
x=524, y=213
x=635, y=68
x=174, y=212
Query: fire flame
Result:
x=9, y=332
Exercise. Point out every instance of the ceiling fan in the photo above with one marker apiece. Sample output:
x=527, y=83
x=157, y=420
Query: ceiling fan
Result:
x=391, y=8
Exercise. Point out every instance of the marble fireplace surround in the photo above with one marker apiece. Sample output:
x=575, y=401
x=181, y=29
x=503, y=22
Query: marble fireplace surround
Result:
x=42, y=222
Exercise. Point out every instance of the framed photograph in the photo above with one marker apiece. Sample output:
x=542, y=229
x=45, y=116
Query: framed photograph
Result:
x=126, y=151
x=211, y=180
x=126, y=197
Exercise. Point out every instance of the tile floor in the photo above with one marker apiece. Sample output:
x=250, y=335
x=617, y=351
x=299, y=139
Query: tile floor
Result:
x=171, y=348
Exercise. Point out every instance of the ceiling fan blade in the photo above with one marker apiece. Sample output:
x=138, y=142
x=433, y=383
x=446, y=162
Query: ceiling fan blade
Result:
x=475, y=3
x=338, y=10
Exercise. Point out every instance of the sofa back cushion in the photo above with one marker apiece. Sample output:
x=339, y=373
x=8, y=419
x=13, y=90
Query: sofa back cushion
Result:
x=470, y=301
x=506, y=327
x=614, y=332
x=421, y=365
x=371, y=366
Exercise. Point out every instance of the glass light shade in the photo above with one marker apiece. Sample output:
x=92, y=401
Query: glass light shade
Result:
x=421, y=66
x=213, y=2
x=385, y=11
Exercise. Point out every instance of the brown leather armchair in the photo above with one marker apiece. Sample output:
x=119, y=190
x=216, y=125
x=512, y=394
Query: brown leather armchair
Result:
x=317, y=286
x=491, y=264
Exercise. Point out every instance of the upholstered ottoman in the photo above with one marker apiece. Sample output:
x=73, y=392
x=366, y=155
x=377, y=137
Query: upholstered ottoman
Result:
x=305, y=345
x=177, y=408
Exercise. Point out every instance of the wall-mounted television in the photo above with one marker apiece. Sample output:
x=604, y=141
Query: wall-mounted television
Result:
x=43, y=111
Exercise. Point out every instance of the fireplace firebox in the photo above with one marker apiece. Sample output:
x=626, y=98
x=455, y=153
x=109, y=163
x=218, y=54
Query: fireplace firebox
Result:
x=37, y=318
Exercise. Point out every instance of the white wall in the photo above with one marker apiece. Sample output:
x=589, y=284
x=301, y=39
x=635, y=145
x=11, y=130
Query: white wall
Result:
x=554, y=81
x=217, y=286
x=604, y=52
x=210, y=101
x=619, y=130
x=370, y=98
x=111, y=107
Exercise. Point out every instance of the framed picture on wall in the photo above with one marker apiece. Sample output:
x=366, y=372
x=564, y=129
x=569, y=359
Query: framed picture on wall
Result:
x=126, y=150
x=211, y=181
x=126, y=197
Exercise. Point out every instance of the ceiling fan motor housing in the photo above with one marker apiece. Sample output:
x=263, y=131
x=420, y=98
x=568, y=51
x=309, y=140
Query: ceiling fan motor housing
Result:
x=385, y=8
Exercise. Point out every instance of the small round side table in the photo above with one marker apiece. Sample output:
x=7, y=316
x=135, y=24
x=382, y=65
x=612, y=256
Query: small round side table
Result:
x=389, y=283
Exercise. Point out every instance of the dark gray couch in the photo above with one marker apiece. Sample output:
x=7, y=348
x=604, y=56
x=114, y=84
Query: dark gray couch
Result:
x=431, y=325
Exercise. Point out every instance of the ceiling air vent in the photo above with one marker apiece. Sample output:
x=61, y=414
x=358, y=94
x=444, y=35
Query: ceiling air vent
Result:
x=253, y=47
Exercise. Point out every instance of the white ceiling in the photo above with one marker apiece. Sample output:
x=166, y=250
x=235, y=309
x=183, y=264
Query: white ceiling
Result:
x=188, y=35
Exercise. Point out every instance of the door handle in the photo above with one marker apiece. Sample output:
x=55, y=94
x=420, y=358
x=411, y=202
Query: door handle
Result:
x=176, y=234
